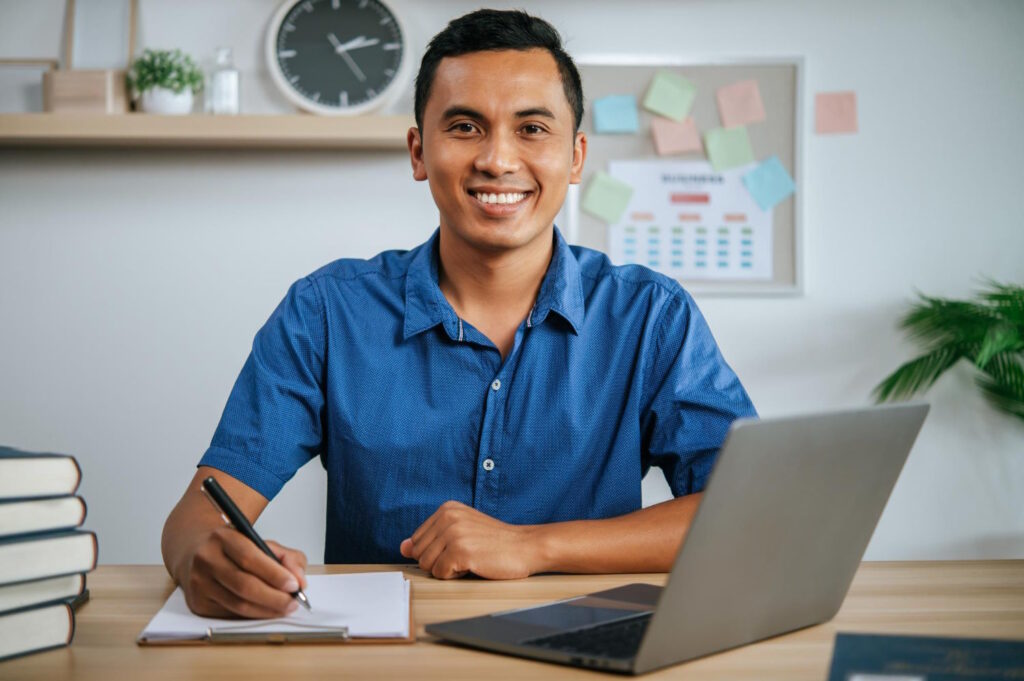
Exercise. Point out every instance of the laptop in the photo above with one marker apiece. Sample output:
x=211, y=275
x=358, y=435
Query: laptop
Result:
x=785, y=519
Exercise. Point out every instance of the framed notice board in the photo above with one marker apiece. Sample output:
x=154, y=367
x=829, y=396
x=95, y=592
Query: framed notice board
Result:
x=739, y=250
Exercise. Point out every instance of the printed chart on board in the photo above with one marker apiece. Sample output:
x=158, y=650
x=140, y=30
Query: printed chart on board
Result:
x=689, y=221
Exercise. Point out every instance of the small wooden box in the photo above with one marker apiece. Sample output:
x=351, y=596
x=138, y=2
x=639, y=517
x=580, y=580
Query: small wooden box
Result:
x=85, y=90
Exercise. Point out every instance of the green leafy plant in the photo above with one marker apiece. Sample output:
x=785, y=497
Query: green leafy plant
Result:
x=171, y=69
x=988, y=331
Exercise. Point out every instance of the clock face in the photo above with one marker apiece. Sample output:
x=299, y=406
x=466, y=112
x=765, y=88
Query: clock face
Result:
x=336, y=56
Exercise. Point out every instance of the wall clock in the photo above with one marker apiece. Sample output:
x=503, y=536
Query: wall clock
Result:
x=342, y=57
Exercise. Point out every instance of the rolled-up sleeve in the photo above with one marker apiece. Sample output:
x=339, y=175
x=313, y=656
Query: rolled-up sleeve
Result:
x=693, y=396
x=272, y=423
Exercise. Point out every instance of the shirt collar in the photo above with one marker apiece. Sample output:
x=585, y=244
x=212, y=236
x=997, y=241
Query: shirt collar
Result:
x=561, y=291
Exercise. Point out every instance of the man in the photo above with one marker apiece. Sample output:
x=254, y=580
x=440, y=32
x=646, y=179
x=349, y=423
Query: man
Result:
x=487, y=402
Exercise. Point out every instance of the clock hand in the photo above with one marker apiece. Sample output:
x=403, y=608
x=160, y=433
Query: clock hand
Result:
x=339, y=48
x=352, y=65
x=354, y=44
x=364, y=43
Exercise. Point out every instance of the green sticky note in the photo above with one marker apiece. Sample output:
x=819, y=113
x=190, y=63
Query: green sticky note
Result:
x=728, y=147
x=670, y=95
x=606, y=198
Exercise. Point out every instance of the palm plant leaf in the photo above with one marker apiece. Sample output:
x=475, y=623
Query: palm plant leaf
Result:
x=989, y=331
x=936, y=321
x=1007, y=300
x=917, y=374
x=1000, y=339
x=1003, y=383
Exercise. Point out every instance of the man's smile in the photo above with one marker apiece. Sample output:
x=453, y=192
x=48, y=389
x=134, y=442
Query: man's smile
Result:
x=496, y=202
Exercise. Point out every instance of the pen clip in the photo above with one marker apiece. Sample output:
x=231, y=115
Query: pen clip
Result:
x=202, y=488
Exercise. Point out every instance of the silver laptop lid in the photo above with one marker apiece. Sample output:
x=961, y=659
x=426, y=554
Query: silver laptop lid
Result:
x=780, y=532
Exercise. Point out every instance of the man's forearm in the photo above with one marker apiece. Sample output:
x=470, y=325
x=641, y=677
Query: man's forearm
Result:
x=643, y=541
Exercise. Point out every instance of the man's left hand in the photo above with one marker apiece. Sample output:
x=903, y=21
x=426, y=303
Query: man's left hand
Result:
x=458, y=539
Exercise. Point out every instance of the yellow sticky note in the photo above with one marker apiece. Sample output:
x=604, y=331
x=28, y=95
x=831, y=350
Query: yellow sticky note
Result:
x=728, y=147
x=670, y=95
x=606, y=198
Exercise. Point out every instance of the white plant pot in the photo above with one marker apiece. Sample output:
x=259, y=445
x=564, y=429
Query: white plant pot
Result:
x=160, y=100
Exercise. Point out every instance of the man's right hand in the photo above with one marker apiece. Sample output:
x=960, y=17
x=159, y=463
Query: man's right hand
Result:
x=228, y=576
x=222, y=573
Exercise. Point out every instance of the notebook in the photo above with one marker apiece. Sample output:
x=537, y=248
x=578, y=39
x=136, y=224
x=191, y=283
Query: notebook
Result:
x=358, y=607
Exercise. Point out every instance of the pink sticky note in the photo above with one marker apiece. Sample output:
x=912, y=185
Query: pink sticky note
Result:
x=740, y=104
x=675, y=138
x=835, y=112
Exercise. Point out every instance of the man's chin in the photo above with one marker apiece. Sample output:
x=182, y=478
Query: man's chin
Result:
x=499, y=238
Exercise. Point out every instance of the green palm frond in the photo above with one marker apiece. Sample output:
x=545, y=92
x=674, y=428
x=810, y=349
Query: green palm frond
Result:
x=988, y=331
x=1000, y=339
x=1007, y=300
x=917, y=374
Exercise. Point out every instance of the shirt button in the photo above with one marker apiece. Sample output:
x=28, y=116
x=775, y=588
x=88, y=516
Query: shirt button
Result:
x=488, y=465
x=496, y=385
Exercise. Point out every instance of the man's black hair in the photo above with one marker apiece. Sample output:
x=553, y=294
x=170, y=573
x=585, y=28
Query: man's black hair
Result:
x=489, y=29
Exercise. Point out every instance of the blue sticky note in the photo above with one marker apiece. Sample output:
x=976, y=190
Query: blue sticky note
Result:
x=769, y=183
x=616, y=114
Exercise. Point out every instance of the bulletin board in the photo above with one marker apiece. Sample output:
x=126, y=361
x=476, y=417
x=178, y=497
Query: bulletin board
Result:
x=779, y=134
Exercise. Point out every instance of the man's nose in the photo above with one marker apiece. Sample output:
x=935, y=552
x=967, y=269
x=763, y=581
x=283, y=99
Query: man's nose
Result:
x=498, y=155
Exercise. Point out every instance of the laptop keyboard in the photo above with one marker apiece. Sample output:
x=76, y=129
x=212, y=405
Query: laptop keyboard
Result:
x=619, y=639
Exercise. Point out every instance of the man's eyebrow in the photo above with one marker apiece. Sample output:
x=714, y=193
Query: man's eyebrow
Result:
x=535, y=111
x=458, y=110
x=455, y=111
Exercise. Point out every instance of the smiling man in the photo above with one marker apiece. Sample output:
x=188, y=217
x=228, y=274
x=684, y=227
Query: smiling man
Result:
x=487, y=402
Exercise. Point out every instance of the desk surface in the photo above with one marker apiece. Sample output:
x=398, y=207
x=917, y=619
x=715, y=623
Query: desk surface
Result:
x=969, y=598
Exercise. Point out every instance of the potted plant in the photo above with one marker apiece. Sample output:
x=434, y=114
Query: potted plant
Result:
x=988, y=331
x=166, y=80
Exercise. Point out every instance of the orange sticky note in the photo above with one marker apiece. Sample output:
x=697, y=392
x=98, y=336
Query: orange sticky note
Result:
x=675, y=138
x=740, y=104
x=835, y=112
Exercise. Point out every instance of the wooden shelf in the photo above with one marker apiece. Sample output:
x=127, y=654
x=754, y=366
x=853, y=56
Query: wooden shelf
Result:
x=199, y=131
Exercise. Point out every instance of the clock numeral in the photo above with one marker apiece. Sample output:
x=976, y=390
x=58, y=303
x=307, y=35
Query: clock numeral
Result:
x=385, y=21
x=391, y=46
x=343, y=99
x=293, y=80
x=371, y=93
x=335, y=4
x=362, y=4
x=289, y=27
x=308, y=6
x=389, y=72
x=316, y=96
x=284, y=54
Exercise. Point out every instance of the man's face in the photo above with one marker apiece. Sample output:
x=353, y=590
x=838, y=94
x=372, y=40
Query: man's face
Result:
x=498, y=147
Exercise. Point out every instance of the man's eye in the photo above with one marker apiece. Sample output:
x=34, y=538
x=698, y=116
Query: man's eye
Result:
x=463, y=127
x=532, y=129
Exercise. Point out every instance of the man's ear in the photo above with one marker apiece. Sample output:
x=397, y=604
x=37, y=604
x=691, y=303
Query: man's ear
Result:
x=415, y=142
x=579, y=154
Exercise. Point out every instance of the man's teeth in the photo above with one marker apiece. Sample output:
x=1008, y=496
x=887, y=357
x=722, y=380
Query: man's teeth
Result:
x=499, y=198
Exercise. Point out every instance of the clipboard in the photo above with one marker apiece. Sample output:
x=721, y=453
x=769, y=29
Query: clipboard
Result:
x=242, y=634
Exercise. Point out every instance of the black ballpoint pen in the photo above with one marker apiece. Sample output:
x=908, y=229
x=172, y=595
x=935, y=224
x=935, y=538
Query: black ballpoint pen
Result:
x=236, y=519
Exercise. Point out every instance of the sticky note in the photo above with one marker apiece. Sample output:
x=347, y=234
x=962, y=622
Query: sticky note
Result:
x=615, y=114
x=728, y=147
x=606, y=198
x=769, y=183
x=675, y=138
x=670, y=95
x=835, y=112
x=740, y=104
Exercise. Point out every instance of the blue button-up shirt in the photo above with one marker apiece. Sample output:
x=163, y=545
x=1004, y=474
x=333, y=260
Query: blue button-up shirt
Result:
x=366, y=365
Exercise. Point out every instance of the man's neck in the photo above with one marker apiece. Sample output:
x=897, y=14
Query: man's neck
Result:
x=492, y=288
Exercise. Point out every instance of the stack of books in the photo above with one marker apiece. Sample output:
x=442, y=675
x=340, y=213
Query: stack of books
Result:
x=43, y=554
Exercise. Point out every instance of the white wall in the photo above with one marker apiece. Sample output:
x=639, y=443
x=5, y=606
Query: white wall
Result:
x=131, y=282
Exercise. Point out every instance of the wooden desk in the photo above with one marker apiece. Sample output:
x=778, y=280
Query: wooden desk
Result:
x=941, y=598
